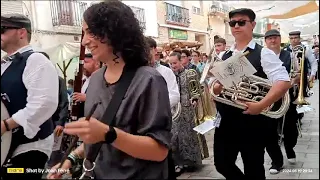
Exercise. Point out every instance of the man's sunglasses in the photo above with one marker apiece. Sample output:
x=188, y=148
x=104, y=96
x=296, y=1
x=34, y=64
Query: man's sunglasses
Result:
x=6, y=28
x=240, y=23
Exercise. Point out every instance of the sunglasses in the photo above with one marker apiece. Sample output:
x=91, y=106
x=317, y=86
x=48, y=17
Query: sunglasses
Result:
x=6, y=28
x=240, y=23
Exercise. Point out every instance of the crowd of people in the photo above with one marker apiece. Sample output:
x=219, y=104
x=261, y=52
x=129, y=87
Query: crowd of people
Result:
x=138, y=138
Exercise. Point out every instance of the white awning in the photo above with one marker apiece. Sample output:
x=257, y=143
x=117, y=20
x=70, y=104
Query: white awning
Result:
x=291, y=15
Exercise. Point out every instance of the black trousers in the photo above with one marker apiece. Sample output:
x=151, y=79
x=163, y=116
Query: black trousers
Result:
x=32, y=160
x=243, y=135
x=273, y=148
x=290, y=133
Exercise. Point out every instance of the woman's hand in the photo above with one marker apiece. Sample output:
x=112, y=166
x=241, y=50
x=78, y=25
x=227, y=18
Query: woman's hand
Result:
x=56, y=173
x=90, y=132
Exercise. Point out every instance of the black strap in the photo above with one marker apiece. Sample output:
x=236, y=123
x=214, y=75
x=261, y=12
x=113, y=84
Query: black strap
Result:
x=109, y=116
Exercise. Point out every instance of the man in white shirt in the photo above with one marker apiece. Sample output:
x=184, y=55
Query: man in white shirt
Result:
x=290, y=120
x=167, y=73
x=310, y=59
x=245, y=131
x=89, y=67
x=29, y=90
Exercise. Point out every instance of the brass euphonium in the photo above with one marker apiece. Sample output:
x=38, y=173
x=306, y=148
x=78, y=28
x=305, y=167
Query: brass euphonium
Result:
x=296, y=50
x=251, y=89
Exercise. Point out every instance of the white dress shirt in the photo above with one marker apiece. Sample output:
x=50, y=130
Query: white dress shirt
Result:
x=270, y=62
x=85, y=85
x=173, y=89
x=41, y=81
x=221, y=54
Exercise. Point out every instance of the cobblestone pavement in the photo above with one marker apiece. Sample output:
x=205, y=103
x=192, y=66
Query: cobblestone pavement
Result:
x=307, y=151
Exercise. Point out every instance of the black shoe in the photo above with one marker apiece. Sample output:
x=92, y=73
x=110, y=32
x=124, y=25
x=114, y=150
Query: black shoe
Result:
x=190, y=168
x=275, y=169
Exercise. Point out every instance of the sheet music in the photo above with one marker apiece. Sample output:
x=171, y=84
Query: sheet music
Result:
x=204, y=127
x=57, y=142
x=233, y=70
x=205, y=72
x=304, y=109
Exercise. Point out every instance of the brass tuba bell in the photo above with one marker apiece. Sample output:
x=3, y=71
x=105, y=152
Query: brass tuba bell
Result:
x=203, y=110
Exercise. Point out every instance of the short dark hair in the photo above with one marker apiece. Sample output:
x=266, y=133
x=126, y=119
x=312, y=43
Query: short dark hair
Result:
x=70, y=81
x=115, y=24
x=220, y=40
x=178, y=55
x=314, y=46
x=186, y=51
x=151, y=42
x=198, y=53
x=178, y=50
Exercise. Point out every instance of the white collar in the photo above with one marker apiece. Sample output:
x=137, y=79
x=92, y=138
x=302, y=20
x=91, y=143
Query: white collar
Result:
x=23, y=49
x=251, y=45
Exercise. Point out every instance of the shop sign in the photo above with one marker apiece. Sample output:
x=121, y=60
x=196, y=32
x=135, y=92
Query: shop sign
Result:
x=178, y=34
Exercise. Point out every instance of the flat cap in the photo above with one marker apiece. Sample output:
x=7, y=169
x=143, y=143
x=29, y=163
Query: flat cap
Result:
x=16, y=20
x=243, y=11
x=272, y=32
x=293, y=33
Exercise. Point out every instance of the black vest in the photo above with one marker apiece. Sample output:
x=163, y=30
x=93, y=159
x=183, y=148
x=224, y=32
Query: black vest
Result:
x=285, y=57
x=305, y=74
x=232, y=114
x=13, y=87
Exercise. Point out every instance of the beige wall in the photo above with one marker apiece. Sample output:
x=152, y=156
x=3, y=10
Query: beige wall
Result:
x=198, y=23
x=161, y=11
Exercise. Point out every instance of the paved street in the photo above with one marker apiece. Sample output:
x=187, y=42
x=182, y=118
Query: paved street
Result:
x=307, y=151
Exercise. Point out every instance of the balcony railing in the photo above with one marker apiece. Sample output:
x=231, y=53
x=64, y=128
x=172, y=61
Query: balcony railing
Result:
x=219, y=7
x=67, y=12
x=140, y=15
x=177, y=15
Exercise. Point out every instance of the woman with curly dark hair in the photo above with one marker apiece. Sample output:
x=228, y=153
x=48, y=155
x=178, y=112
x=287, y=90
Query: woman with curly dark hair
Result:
x=136, y=145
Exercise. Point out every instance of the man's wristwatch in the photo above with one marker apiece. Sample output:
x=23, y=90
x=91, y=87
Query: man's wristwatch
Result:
x=110, y=136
